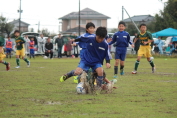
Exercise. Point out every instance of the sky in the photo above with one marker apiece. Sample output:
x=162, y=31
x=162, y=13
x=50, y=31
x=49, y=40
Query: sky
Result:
x=48, y=11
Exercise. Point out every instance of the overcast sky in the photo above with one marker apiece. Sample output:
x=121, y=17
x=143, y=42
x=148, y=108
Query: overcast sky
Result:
x=48, y=11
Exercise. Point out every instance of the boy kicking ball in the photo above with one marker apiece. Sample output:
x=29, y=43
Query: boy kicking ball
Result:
x=145, y=48
x=20, y=50
x=94, y=55
x=2, y=55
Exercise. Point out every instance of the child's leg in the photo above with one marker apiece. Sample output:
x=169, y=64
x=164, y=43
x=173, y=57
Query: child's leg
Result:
x=116, y=66
x=25, y=59
x=17, y=60
x=150, y=61
x=122, y=67
x=99, y=71
x=137, y=63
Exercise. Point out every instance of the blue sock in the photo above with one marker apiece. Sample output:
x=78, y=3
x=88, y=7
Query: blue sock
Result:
x=70, y=74
x=99, y=80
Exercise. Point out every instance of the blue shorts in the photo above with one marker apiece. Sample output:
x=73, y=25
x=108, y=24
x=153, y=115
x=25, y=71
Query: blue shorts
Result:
x=31, y=51
x=8, y=50
x=121, y=53
x=86, y=67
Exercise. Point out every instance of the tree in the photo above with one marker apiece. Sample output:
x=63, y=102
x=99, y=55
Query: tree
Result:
x=45, y=32
x=131, y=29
x=5, y=27
x=167, y=17
x=114, y=30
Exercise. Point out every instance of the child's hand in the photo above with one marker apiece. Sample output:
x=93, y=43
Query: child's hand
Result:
x=108, y=65
x=133, y=46
x=109, y=40
x=145, y=43
x=72, y=40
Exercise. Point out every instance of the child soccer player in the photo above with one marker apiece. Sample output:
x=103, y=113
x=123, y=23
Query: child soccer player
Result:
x=20, y=50
x=122, y=39
x=96, y=51
x=31, y=47
x=9, y=45
x=2, y=55
x=145, y=48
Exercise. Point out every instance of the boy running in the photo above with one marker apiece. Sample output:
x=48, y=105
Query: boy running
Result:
x=145, y=48
x=20, y=50
x=9, y=45
x=122, y=39
x=96, y=51
x=2, y=55
x=31, y=47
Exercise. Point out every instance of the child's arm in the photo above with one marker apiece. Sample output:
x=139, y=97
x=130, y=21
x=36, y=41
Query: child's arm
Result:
x=1, y=49
x=150, y=39
x=113, y=40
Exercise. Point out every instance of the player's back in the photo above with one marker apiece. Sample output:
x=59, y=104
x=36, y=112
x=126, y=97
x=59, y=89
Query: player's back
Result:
x=95, y=52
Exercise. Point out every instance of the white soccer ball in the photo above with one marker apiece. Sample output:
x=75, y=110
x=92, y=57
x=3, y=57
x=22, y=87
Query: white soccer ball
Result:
x=45, y=57
x=80, y=89
x=151, y=58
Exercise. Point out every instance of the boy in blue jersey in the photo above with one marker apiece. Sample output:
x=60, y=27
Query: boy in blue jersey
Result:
x=90, y=29
x=122, y=39
x=96, y=51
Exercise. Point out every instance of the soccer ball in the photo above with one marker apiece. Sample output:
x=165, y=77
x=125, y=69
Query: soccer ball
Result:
x=80, y=89
x=151, y=58
x=45, y=57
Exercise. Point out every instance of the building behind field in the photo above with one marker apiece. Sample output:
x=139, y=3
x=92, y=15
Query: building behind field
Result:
x=70, y=21
x=139, y=19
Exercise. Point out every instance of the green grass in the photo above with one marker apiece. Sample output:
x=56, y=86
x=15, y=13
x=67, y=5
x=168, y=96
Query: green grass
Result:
x=37, y=92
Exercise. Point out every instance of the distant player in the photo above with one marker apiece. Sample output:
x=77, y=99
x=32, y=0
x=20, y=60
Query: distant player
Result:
x=2, y=55
x=122, y=39
x=9, y=45
x=20, y=50
x=96, y=51
x=145, y=48
x=31, y=47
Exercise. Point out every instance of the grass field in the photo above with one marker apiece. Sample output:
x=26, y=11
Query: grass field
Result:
x=37, y=92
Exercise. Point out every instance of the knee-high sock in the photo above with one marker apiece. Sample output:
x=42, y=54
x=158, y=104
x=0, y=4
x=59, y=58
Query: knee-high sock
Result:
x=18, y=61
x=99, y=80
x=5, y=63
x=115, y=69
x=136, y=65
x=151, y=63
x=26, y=60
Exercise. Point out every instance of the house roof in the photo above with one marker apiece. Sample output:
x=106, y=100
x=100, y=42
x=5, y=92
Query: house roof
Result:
x=86, y=13
x=17, y=21
x=139, y=18
x=70, y=31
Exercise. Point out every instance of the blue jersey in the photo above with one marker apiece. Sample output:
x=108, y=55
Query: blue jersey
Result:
x=122, y=39
x=83, y=45
x=95, y=52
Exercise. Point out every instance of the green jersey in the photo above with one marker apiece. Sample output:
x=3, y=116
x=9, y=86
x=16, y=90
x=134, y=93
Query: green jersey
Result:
x=144, y=38
x=19, y=43
x=2, y=41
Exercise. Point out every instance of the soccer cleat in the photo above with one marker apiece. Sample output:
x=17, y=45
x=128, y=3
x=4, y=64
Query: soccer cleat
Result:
x=115, y=76
x=76, y=79
x=63, y=78
x=8, y=66
x=134, y=72
x=121, y=72
x=28, y=64
x=17, y=67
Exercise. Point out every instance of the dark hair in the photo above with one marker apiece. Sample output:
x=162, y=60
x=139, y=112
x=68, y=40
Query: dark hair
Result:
x=16, y=31
x=142, y=25
x=89, y=24
x=101, y=32
x=8, y=36
x=122, y=22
